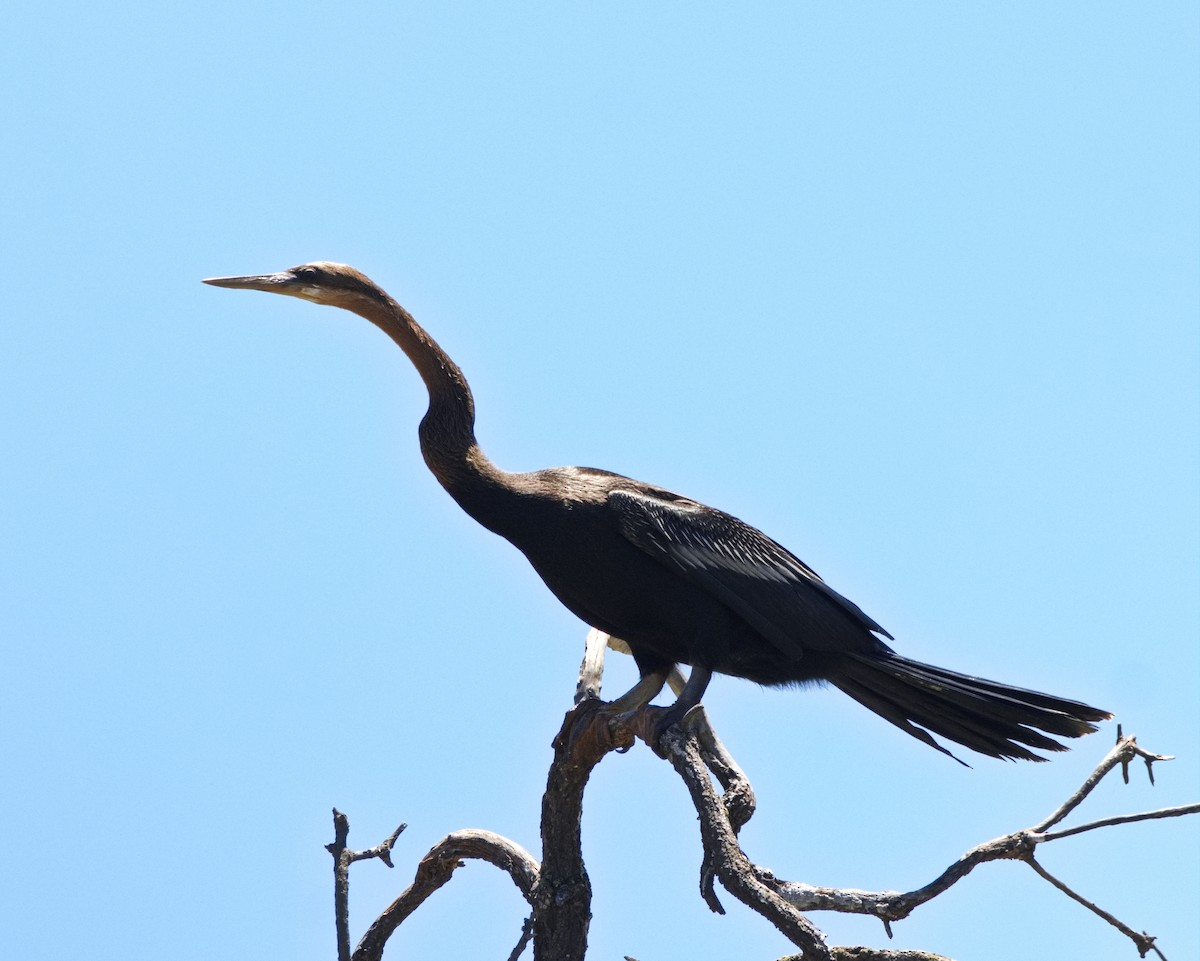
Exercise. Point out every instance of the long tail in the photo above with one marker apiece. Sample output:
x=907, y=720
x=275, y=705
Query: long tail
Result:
x=986, y=716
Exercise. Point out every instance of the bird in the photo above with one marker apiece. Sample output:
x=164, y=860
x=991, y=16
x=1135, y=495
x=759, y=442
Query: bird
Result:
x=680, y=582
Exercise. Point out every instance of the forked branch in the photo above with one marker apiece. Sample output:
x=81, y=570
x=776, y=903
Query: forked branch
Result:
x=559, y=891
x=724, y=859
x=1020, y=845
x=343, y=857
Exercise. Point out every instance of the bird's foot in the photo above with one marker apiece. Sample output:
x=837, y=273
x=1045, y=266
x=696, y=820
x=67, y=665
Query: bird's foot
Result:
x=594, y=728
x=652, y=723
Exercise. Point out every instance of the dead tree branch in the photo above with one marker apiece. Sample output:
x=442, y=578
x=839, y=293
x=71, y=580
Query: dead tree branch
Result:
x=437, y=867
x=1020, y=845
x=739, y=797
x=559, y=891
x=563, y=896
x=725, y=860
x=343, y=857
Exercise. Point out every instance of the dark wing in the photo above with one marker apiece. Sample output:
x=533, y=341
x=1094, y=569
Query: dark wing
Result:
x=772, y=589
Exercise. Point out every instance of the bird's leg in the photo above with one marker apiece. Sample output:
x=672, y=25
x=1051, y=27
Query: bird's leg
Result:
x=627, y=706
x=689, y=697
x=693, y=691
x=641, y=694
x=621, y=709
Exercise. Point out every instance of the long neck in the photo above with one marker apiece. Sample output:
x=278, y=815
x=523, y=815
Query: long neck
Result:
x=447, y=430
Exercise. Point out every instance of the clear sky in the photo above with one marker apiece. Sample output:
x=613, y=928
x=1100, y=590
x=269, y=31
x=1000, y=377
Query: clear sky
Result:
x=912, y=287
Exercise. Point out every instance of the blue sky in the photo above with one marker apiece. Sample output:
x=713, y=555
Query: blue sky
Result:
x=912, y=287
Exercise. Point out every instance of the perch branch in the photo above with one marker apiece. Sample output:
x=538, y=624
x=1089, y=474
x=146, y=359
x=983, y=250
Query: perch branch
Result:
x=591, y=671
x=739, y=797
x=724, y=859
x=559, y=889
x=562, y=899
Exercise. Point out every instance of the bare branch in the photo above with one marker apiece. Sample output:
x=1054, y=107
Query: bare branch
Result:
x=436, y=868
x=739, y=799
x=723, y=857
x=1122, y=753
x=1143, y=941
x=559, y=889
x=562, y=898
x=1124, y=819
x=591, y=671
x=526, y=936
x=892, y=906
x=342, y=859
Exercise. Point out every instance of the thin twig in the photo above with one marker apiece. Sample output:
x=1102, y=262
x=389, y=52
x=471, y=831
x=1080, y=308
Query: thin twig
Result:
x=1144, y=942
x=1124, y=819
x=526, y=935
x=343, y=857
x=1122, y=753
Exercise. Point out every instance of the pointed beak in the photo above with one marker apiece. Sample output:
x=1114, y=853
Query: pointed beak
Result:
x=280, y=283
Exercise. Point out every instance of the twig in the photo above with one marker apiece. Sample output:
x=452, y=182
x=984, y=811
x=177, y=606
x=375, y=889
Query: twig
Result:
x=526, y=935
x=1020, y=845
x=738, y=799
x=343, y=857
x=1122, y=753
x=1144, y=942
x=1124, y=819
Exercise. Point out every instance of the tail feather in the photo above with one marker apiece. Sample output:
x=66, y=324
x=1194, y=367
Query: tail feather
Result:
x=942, y=717
x=1054, y=715
x=986, y=716
x=893, y=713
x=1071, y=717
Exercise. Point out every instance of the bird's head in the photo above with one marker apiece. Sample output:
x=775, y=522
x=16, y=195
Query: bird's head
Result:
x=321, y=282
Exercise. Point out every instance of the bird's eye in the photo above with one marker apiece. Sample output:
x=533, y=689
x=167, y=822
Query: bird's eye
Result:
x=306, y=273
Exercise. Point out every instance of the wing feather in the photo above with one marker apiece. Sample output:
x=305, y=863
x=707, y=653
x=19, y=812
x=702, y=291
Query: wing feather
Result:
x=777, y=593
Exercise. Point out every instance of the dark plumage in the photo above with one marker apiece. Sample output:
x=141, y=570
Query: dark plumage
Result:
x=680, y=582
